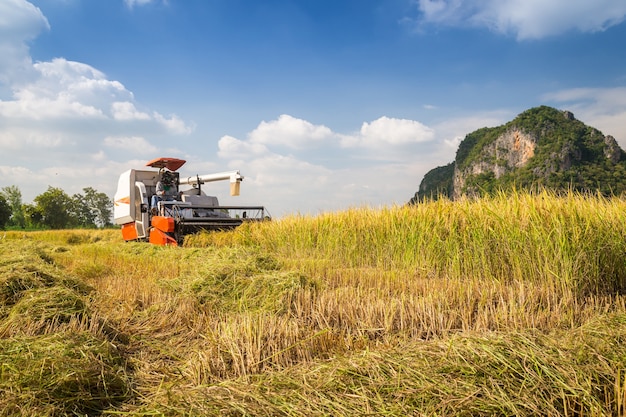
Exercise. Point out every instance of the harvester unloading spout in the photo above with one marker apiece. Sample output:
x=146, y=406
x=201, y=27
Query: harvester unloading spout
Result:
x=149, y=205
x=234, y=177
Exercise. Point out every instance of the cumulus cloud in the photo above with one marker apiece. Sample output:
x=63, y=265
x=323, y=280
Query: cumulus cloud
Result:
x=525, y=19
x=20, y=22
x=72, y=90
x=21, y=19
x=385, y=133
x=390, y=131
x=230, y=147
x=70, y=107
x=61, y=88
x=133, y=144
x=293, y=158
x=288, y=172
x=29, y=140
x=173, y=124
x=63, y=121
x=289, y=131
x=124, y=110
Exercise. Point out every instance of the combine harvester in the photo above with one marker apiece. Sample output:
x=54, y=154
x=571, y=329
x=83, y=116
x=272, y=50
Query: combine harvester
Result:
x=149, y=205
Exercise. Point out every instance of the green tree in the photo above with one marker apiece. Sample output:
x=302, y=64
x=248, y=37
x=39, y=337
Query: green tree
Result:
x=13, y=195
x=5, y=212
x=81, y=213
x=55, y=208
x=32, y=216
x=91, y=209
x=100, y=205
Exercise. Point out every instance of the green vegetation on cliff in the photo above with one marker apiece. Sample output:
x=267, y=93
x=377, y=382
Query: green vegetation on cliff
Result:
x=437, y=182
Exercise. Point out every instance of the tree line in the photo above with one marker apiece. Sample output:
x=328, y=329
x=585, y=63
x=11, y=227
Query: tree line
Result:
x=55, y=209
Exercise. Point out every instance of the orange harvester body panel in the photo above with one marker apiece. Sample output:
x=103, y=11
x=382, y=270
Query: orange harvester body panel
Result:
x=164, y=224
x=157, y=237
x=129, y=232
x=161, y=226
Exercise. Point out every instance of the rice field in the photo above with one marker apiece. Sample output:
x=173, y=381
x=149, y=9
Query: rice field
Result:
x=509, y=305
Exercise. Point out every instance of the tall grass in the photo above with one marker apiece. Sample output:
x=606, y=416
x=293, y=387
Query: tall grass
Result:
x=573, y=241
x=511, y=305
x=509, y=262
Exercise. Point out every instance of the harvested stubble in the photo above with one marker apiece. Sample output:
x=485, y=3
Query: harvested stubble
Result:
x=514, y=373
x=503, y=306
x=63, y=373
x=50, y=361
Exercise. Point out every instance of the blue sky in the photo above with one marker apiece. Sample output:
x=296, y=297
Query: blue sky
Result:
x=321, y=104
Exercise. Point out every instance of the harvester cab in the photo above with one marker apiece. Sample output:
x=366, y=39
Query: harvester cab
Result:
x=151, y=204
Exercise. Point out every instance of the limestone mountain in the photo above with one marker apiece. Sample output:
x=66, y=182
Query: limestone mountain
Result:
x=541, y=148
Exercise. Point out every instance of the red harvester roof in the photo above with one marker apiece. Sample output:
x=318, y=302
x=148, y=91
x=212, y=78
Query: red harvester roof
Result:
x=170, y=163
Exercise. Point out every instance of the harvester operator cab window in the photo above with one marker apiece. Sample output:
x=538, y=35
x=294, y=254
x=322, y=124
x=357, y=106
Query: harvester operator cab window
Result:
x=166, y=188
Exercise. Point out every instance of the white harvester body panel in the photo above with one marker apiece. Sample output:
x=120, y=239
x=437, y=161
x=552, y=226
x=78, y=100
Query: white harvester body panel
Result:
x=128, y=199
x=123, y=208
x=142, y=218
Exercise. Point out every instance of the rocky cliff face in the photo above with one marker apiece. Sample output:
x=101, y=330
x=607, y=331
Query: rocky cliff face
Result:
x=511, y=150
x=612, y=151
x=542, y=147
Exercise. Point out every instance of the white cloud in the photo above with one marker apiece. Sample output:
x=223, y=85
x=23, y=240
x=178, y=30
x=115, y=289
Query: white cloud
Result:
x=65, y=123
x=319, y=173
x=441, y=11
x=389, y=131
x=71, y=107
x=124, y=110
x=605, y=100
x=289, y=131
x=133, y=144
x=21, y=19
x=31, y=141
x=232, y=148
x=173, y=124
x=20, y=22
x=388, y=137
x=64, y=89
x=288, y=185
x=526, y=19
x=30, y=182
x=71, y=179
